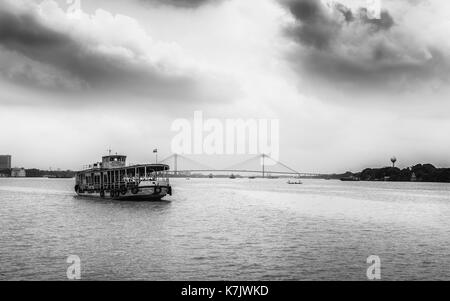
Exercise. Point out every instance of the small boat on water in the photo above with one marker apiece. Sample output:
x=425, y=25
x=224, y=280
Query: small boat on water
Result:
x=294, y=181
x=112, y=179
x=232, y=176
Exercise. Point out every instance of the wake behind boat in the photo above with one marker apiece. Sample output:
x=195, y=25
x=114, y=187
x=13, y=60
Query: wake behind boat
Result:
x=112, y=179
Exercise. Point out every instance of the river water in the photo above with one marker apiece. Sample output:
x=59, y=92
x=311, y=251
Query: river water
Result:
x=228, y=229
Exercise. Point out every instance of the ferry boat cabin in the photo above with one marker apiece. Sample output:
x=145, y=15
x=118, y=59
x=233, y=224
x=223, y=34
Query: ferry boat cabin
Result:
x=111, y=178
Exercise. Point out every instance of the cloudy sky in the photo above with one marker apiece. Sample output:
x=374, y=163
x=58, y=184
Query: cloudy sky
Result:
x=348, y=90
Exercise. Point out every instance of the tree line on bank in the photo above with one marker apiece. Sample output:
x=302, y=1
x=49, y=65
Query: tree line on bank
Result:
x=419, y=173
x=37, y=173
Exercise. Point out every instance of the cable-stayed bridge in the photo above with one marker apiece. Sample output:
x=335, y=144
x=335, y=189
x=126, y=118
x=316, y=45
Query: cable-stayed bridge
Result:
x=261, y=164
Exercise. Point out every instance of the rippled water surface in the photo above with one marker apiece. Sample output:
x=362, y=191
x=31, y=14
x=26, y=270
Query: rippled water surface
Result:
x=223, y=229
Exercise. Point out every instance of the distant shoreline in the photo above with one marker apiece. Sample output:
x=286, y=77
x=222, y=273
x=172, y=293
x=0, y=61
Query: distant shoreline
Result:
x=37, y=173
x=416, y=173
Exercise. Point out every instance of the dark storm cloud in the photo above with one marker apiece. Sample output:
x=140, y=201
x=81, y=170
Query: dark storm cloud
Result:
x=385, y=22
x=316, y=29
x=58, y=61
x=20, y=29
x=339, y=45
x=183, y=3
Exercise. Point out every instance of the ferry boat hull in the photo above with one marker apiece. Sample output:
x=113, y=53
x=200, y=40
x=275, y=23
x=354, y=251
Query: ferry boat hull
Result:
x=143, y=194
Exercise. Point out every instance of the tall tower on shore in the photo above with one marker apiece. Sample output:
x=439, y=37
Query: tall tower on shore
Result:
x=5, y=162
x=393, y=160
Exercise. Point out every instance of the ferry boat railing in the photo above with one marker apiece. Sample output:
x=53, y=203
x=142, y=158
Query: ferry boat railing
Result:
x=128, y=181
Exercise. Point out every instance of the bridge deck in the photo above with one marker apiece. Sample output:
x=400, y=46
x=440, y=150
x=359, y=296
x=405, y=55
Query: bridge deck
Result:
x=247, y=171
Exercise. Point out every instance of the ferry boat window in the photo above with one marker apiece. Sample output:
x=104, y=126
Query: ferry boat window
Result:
x=141, y=171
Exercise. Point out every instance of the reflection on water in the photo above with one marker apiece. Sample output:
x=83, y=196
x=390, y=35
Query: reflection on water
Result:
x=223, y=229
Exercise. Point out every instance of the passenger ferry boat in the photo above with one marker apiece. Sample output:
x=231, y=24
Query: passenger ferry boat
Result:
x=112, y=179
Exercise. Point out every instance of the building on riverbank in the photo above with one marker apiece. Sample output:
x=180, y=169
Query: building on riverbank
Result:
x=5, y=162
x=18, y=173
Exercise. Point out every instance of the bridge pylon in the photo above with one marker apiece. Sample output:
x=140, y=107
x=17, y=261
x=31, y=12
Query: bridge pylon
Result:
x=262, y=158
x=175, y=163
